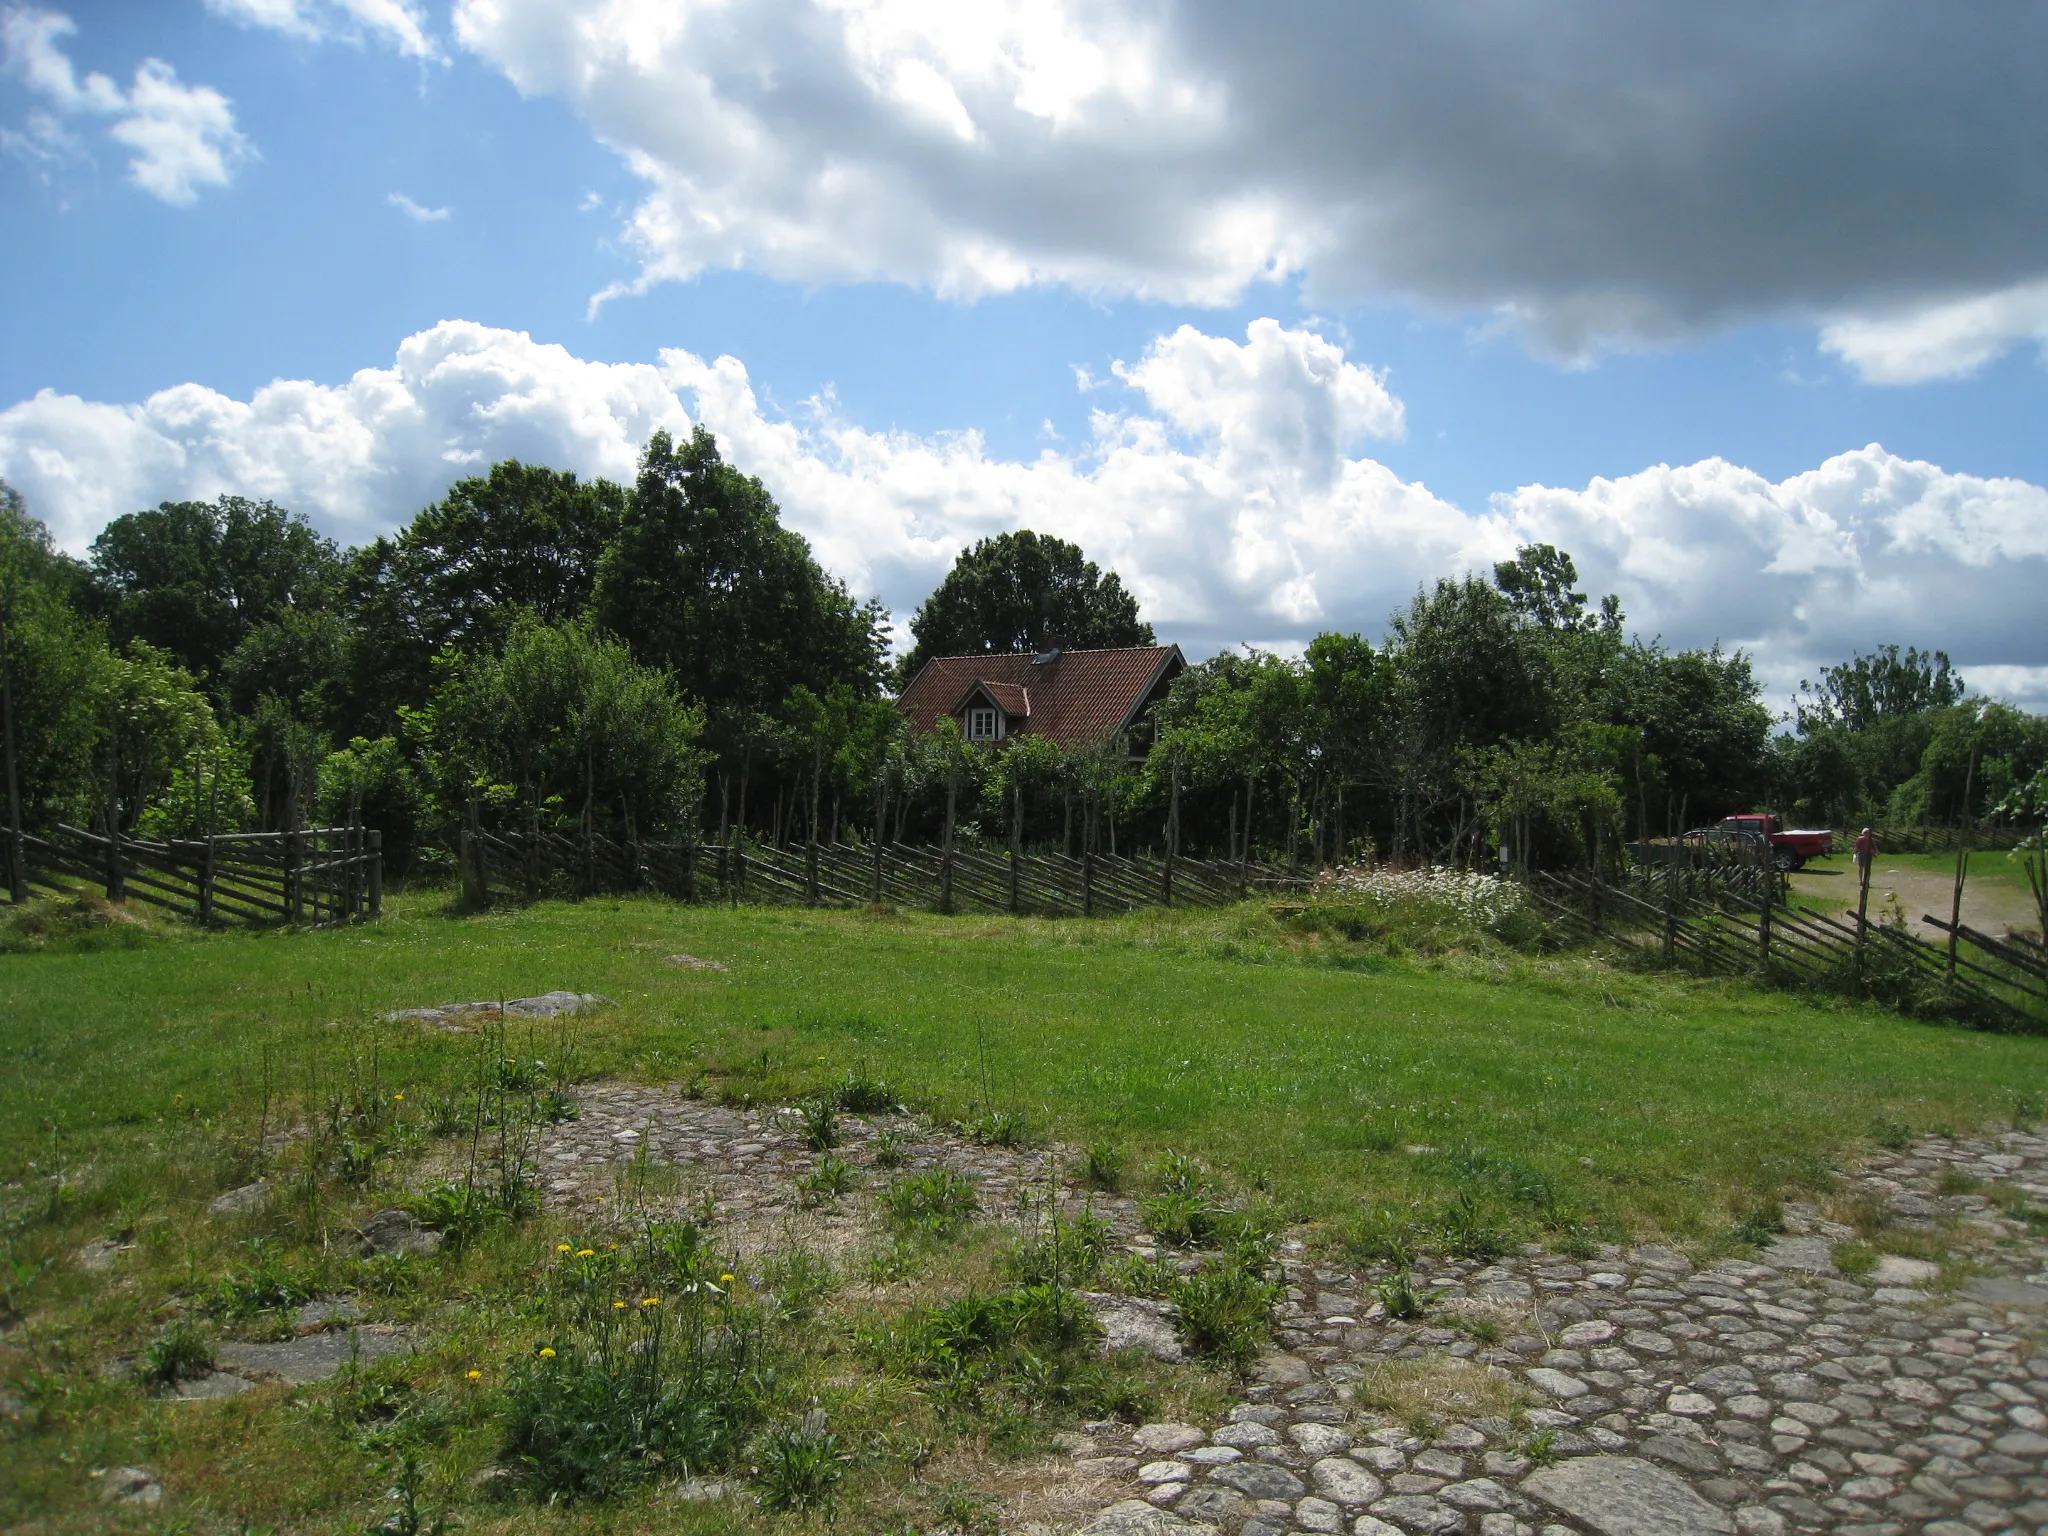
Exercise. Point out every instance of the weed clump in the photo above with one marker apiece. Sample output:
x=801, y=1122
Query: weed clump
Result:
x=798, y=1464
x=628, y=1388
x=1102, y=1167
x=182, y=1354
x=934, y=1204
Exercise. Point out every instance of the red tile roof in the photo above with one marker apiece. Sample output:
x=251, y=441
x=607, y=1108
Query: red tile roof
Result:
x=1076, y=699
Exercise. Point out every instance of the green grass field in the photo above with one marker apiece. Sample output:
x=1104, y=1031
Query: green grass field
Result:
x=1310, y=1076
x=1299, y=1068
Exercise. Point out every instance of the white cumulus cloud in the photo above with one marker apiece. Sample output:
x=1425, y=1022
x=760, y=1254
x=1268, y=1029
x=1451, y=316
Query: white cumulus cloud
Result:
x=1587, y=172
x=1222, y=478
x=419, y=213
x=184, y=136
x=399, y=24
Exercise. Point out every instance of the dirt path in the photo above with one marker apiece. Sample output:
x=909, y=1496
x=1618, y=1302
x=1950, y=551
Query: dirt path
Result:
x=1990, y=906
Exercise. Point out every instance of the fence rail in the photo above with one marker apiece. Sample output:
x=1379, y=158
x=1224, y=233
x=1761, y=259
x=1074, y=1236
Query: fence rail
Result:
x=530, y=866
x=1723, y=929
x=318, y=875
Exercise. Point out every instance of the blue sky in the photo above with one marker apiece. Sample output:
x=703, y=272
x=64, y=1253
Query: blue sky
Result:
x=1450, y=336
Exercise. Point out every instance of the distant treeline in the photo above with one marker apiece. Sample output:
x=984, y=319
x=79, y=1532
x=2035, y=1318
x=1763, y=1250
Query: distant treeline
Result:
x=667, y=660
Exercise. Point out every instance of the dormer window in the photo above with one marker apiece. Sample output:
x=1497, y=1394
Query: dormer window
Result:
x=981, y=725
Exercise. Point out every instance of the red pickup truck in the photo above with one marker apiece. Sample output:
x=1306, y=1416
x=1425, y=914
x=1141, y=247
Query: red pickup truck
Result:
x=1789, y=849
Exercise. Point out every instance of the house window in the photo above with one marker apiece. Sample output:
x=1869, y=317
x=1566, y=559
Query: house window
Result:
x=981, y=725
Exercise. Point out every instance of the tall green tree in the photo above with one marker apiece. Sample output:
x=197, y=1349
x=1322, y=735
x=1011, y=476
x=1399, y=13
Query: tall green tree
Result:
x=1023, y=591
x=49, y=658
x=192, y=578
x=563, y=725
x=704, y=580
x=522, y=539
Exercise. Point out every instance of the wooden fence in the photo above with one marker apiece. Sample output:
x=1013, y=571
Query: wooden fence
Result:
x=318, y=875
x=530, y=866
x=1724, y=928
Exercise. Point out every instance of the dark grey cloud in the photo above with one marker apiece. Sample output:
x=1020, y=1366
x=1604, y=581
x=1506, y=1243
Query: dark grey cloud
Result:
x=1592, y=171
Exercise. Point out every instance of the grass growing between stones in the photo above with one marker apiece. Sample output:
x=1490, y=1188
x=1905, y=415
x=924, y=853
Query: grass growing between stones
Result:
x=1212, y=1062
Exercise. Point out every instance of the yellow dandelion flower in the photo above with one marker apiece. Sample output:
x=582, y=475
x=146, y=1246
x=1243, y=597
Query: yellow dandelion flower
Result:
x=547, y=1354
x=727, y=1278
x=398, y=1098
x=586, y=1253
x=476, y=1375
x=650, y=1301
x=561, y=1247
x=618, y=1306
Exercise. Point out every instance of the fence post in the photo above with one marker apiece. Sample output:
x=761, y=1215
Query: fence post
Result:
x=811, y=872
x=1016, y=839
x=1863, y=907
x=1769, y=892
x=946, y=856
x=294, y=893
x=739, y=875
x=1087, y=883
x=1671, y=906
x=689, y=872
x=376, y=871
x=1172, y=836
x=206, y=883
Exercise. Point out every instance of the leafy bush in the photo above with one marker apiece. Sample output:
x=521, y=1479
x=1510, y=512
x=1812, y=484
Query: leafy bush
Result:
x=937, y=1203
x=798, y=1464
x=460, y=1212
x=1469, y=1230
x=1068, y=1252
x=1384, y=1236
x=864, y=1095
x=1103, y=1167
x=999, y=1128
x=832, y=1178
x=265, y=1281
x=821, y=1123
x=182, y=1354
x=1225, y=1310
x=626, y=1401
x=1179, y=1174
x=1399, y=1296
x=891, y=1150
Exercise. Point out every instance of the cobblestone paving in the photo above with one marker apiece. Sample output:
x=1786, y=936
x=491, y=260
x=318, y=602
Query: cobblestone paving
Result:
x=745, y=1163
x=1656, y=1398
x=1753, y=1398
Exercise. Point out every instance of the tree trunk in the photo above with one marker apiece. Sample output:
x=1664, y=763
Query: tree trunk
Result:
x=17, y=860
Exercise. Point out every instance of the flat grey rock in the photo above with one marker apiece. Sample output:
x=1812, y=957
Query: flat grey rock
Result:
x=240, y=1202
x=1892, y=1269
x=696, y=963
x=1683, y=1451
x=1810, y=1255
x=466, y=1016
x=1415, y=1512
x=1136, y=1322
x=1134, y=1517
x=1262, y=1480
x=1622, y=1496
x=1210, y=1505
x=2002, y=1292
x=1345, y=1482
x=395, y=1231
x=328, y=1312
x=130, y=1485
x=315, y=1357
x=1163, y=1439
x=210, y=1388
x=98, y=1256
x=1274, y=1369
